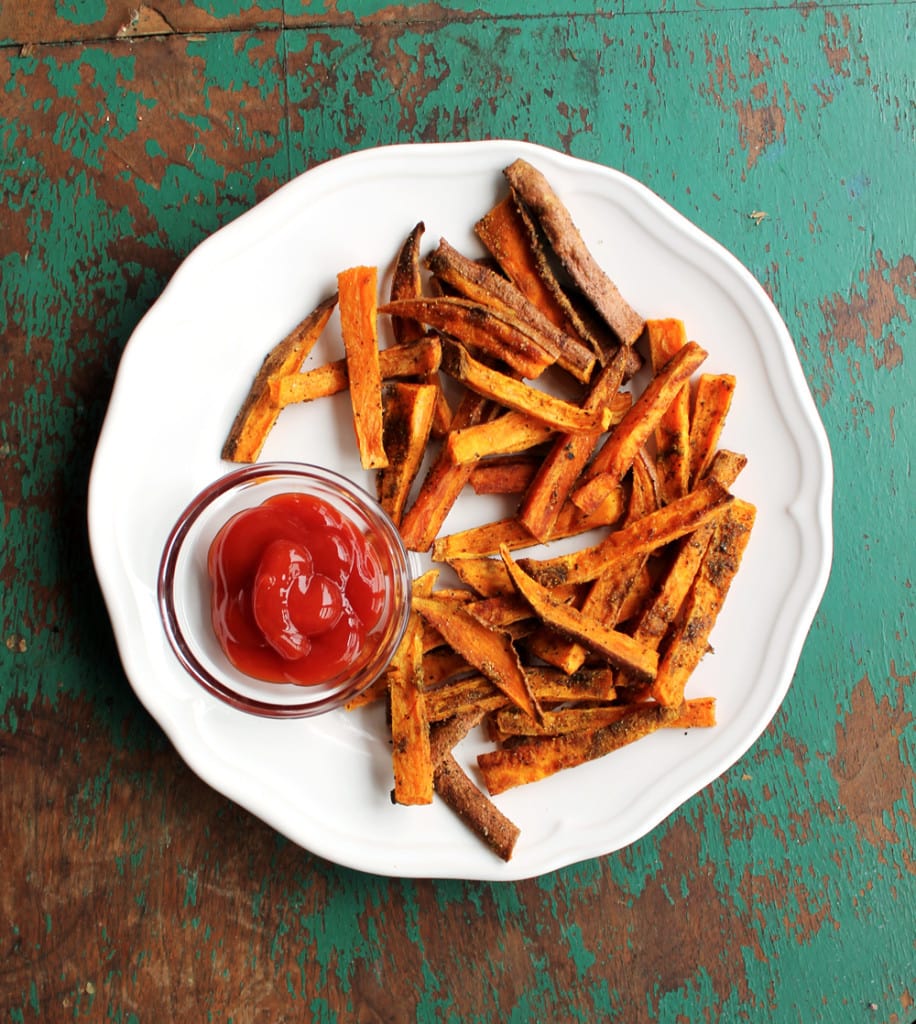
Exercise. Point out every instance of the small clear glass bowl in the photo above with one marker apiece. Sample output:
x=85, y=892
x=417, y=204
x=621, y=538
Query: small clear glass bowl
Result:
x=184, y=588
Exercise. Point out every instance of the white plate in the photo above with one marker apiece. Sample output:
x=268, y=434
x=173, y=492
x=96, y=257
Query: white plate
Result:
x=324, y=783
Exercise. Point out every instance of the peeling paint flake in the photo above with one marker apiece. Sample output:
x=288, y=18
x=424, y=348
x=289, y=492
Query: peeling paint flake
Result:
x=145, y=21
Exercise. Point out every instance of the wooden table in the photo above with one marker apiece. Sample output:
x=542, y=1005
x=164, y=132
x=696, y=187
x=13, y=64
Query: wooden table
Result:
x=131, y=892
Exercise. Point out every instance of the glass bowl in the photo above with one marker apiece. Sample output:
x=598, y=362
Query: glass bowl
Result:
x=184, y=589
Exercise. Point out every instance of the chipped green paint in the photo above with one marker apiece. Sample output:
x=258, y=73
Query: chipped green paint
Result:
x=783, y=133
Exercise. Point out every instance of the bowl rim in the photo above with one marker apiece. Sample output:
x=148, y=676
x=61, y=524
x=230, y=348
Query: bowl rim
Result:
x=341, y=688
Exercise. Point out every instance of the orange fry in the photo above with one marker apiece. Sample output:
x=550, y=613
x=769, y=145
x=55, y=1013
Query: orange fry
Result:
x=516, y=394
x=541, y=756
x=617, y=454
x=507, y=434
x=259, y=411
x=711, y=404
x=666, y=338
x=686, y=647
x=406, y=283
x=487, y=649
x=407, y=418
x=498, y=334
x=645, y=535
x=358, y=288
x=570, y=452
x=618, y=648
x=443, y=483
x=416, y=359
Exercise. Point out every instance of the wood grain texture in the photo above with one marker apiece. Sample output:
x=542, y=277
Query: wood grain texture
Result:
x=130, y=891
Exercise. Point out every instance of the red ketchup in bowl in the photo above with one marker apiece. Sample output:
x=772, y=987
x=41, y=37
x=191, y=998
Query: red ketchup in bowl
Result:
x=296, y=590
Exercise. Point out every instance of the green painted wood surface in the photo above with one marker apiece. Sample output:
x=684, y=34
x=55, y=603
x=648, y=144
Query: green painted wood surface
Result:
x=131, y=892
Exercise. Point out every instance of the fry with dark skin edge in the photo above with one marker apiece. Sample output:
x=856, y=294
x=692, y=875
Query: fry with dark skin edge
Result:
x=410, y=753
x=259, y=411
x=557, y=413
x=607, y=594
x=411, y=763
x=479, y=283
x=698, y=713
x=618, y=648
x=443, y=483
x=659, y=612
x=672, y=435
x=407, y=420
x=617, y=453
x=570, y=452
x=542, y=756
x=505, y=235
x=498, y=334
x=686, y=646
x=712, y=401
x=645, y=535
x=417, y=359
x=584, y=323
x=358, y=292
x=488, y=650
x=474, y=808
x=571, y=250
x=406, y=283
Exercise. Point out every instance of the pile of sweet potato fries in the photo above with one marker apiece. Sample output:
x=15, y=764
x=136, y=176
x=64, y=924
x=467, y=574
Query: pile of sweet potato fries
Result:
x=563, y=658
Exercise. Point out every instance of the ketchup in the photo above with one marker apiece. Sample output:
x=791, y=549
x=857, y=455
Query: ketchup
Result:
x=296, y=590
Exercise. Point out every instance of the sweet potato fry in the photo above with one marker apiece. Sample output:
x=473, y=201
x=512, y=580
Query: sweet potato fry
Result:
x=507, y=434
x=498, y=334
x=441, y=664
x=540, y=757
x=508, y=475
x=645, y=535
x=475, y=808
x=695, y=713
x=725, y=467
x=712, y=401
x=358, y=289
x=479, y=283
x=672, y=435
x=688, y=643
x=512, y=722
x=259, y=410
x=487, y=649
x=418, y=359
x=445, y=735
x=583, y=320
x=618, y=648
x=608, y=593
x=407, y=283
x=505, y=234
x=586, y=684
x=407, y=419
x=660, y=611
x=566, y=241
x=570, y=452
x=617, y=453
x=462, y=696
x=489, y=537
x=412, y=766
x=485, y=576
x=516, y=394
x=443, y=483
